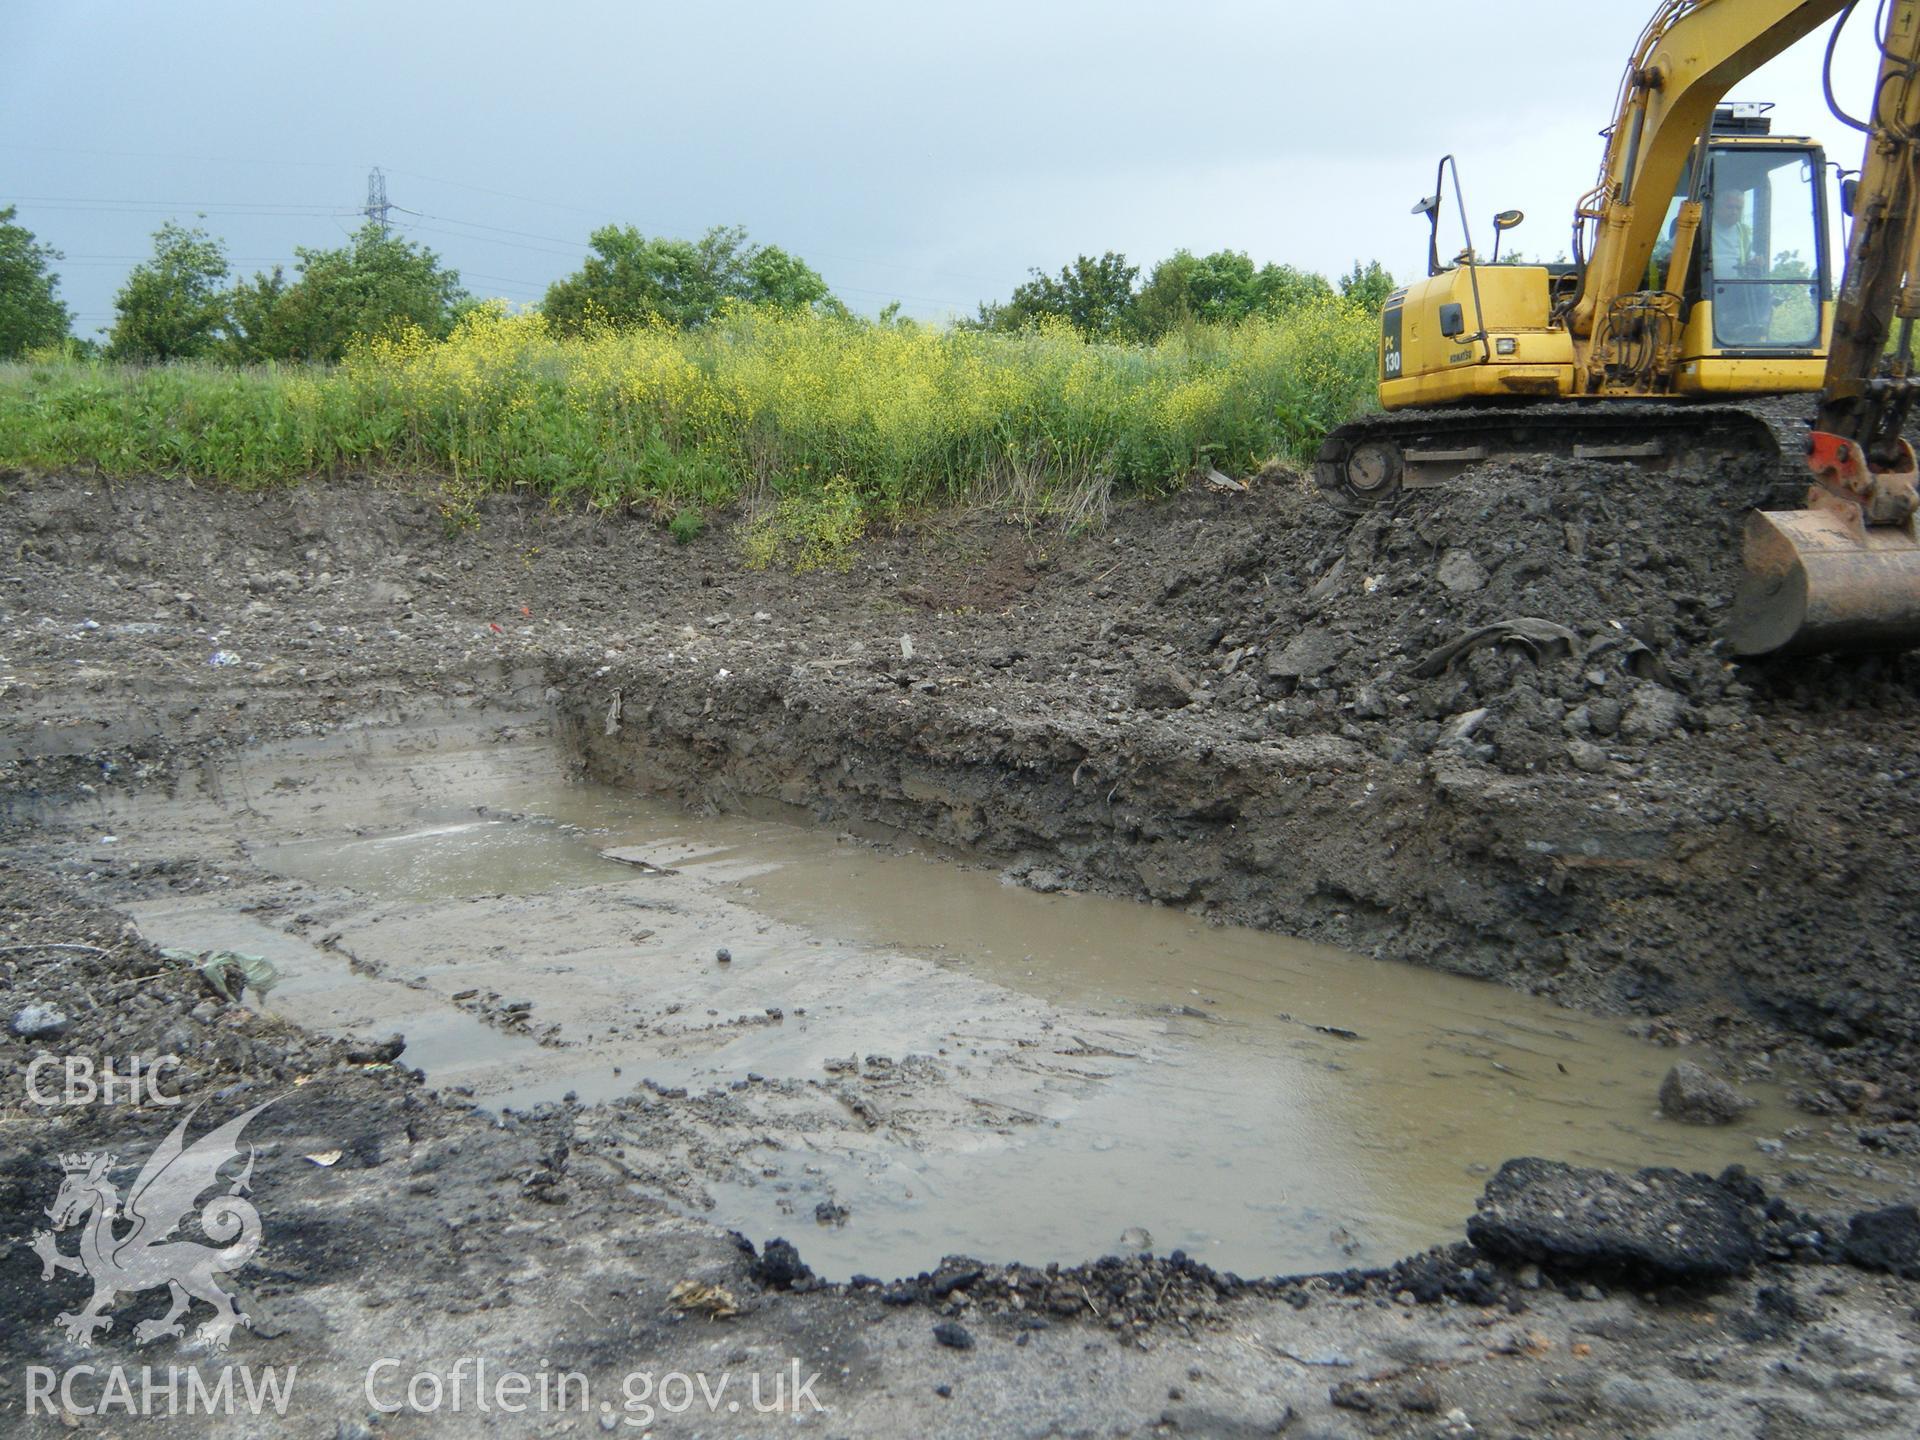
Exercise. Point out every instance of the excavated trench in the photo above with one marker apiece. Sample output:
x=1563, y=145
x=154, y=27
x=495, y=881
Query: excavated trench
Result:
x=1492, y=733
x=847, y=996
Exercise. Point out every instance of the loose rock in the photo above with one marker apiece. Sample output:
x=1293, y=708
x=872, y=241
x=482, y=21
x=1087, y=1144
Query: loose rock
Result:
x=1689, y=1094
x=1460, y=572
x=377, y=1052
x=1653, y=714
x=1311, y=652
x=1162, y=689
x=39, y=1022
x=779, y=1267
x=1887, y=1240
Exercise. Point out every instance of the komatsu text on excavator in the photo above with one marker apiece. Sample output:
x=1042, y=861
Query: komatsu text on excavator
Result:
x=1699, y=283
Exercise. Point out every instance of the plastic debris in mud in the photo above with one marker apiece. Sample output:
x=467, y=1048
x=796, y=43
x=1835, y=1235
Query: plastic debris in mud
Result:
x=229, y=972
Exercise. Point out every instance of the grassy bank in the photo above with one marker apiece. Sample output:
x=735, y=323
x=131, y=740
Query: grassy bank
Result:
x=854, y=418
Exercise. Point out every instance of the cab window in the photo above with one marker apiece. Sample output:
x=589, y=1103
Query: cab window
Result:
x=1760, y=250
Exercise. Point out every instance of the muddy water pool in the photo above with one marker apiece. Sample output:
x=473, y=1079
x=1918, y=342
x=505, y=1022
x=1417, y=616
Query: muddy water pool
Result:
x=1025, y=1075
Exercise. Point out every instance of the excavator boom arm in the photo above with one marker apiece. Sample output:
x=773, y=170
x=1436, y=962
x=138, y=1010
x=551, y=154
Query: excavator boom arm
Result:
x=1691, y=53
x=1882, y=281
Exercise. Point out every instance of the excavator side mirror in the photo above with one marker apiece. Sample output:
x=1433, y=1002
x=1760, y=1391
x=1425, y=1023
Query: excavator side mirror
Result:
x=1502, y=223
x=1849, y=192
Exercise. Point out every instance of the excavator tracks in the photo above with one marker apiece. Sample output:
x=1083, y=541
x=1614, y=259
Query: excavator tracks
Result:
x=1370, y=461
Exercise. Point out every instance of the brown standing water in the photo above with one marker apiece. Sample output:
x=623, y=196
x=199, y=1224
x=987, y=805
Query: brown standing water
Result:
x=1061, y=1076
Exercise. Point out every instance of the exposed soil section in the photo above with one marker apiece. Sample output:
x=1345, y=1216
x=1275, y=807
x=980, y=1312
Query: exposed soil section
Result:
x=1238, y=703
x=1491, y=733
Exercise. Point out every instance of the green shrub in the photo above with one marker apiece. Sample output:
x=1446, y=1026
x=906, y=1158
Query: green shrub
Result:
x=685, y=527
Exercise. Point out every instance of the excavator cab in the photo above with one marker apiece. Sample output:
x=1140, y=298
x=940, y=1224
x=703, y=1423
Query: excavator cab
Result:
x=1760, y=263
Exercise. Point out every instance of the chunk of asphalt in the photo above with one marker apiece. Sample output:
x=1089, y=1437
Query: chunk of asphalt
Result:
x=1657, y=1226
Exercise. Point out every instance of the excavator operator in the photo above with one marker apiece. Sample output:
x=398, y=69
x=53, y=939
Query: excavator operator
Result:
x=1741, y=312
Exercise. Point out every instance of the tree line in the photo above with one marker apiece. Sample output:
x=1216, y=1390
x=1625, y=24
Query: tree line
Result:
x=185, y=303
x=1104, y=299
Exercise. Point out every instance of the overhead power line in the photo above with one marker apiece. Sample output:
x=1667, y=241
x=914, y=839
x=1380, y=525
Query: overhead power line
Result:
x=169, y=155
x=125, y=259
x=264, y=205
x=573, y=254
x=163, y=208
x=477, y=225
x=503, y=194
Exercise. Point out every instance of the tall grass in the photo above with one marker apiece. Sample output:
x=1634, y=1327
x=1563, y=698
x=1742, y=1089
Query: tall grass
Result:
x=763, y=403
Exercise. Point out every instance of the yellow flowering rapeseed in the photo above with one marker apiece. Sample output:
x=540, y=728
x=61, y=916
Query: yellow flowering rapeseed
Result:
x=834, y=419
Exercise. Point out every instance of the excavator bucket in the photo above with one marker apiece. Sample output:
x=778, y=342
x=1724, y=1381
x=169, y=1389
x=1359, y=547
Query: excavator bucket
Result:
x=1817, y=580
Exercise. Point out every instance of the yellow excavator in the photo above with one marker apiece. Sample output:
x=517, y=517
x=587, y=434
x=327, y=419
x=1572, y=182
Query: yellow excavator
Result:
x=1699, y=285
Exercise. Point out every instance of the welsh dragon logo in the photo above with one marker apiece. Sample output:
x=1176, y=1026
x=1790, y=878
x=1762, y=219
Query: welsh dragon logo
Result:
x=142, y=1256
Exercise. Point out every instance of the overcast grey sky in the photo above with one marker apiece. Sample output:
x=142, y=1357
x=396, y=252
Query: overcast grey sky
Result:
x=920, y=152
